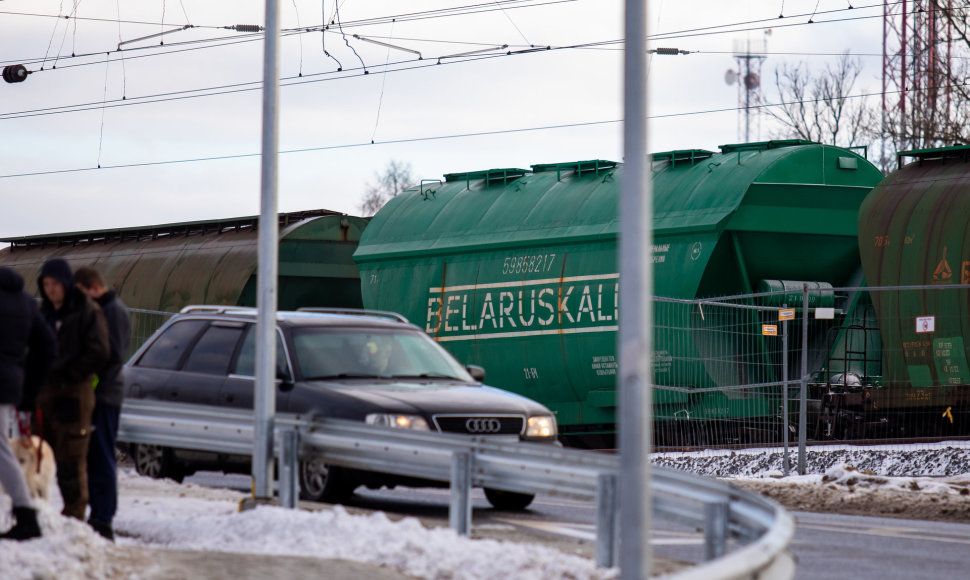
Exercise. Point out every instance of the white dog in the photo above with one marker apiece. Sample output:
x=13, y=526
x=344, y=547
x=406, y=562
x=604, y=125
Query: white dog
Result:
x=36, y=459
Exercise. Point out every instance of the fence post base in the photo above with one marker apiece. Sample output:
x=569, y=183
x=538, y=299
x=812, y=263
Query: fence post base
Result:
x=460, y=511
x=715, y=528
x=288, y=461
x=606, y=521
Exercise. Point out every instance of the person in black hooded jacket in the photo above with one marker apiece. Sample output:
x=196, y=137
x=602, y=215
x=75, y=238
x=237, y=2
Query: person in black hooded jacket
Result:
x=27, y=349
x=67, y=401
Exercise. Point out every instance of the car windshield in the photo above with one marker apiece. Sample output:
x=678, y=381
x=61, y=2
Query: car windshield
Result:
x=327, y=353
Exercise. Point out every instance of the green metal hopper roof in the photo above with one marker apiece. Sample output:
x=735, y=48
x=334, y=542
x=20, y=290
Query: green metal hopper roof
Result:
x=699, y=196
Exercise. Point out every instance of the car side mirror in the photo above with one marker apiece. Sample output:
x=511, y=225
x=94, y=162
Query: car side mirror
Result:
x=477, y=372
x=285, y=381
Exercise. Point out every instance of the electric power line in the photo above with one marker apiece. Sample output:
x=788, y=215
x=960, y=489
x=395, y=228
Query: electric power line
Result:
x=427, y=138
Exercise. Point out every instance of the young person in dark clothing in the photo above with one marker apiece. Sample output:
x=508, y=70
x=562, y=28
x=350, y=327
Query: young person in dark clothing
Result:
x=102, y=469
x=66, y=403
x=27, y=350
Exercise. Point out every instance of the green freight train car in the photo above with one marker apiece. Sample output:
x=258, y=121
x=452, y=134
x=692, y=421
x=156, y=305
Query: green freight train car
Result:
x=516, y=270
x=909, y=375
x=169, y=266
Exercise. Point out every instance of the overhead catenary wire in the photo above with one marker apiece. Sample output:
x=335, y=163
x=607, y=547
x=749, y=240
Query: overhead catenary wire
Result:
x=705, y=31
x=326, y=76
x=227, y=89
x=717, y=29
x=423, y=139
x=452, y=11
x=404, y=65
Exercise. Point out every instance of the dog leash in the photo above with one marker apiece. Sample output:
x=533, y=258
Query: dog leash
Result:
x=26, y=440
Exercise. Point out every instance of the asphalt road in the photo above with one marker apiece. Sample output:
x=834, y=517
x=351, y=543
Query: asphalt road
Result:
x=836, y=546
x=826, y=546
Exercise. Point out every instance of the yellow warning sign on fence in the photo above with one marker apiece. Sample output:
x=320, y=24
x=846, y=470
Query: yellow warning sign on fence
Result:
x=769, y=329
x=788, y=314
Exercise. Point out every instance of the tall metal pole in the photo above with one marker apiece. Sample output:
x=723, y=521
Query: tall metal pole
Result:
x=636, y=298
x=803, y=388
x=786, y=461
x=265, y=396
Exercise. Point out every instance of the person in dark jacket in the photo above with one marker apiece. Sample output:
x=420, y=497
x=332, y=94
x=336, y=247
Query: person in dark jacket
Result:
x=66, y=403
x=27, y=350
x=102, y=469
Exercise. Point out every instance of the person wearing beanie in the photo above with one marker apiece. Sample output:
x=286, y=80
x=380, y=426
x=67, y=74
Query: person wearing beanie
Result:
x=102, y=469
x=66, y=402
x=27, y=350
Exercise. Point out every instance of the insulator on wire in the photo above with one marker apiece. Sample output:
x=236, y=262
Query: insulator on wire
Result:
x=670, y=51
x=15, y=73
x=247, y=28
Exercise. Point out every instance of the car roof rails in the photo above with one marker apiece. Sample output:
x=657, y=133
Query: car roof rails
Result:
x=206, y=309
x=355, y=312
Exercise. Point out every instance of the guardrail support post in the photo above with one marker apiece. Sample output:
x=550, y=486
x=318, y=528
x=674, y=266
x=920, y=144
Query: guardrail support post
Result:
x=460, y=512
x=715, y=528
x=288, y=461
x=606, y=520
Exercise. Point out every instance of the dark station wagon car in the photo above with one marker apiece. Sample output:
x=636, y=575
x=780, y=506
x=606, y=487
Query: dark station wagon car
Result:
x=358, y=365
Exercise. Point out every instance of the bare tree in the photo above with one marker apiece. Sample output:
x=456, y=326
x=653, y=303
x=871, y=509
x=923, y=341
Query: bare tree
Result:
x=395, y=178
x=820, y=107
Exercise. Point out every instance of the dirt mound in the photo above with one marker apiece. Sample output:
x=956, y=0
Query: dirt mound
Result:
x=844, y=489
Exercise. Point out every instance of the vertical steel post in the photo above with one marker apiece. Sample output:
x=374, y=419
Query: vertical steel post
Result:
x=606, y=528
x=786, y=461
x=287, y=466
x=264, y=402
x=636, y=300
x=803, y=391
x=715, y=528
x=460, y=510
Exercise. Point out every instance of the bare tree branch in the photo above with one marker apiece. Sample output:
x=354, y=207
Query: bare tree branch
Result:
x=395, y=179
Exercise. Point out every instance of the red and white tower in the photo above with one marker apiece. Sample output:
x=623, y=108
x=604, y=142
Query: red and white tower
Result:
x=917, y=47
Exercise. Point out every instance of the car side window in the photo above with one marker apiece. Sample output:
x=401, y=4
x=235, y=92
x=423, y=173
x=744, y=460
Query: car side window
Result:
x=246, y=361
x=167, y=350
x=212, y=353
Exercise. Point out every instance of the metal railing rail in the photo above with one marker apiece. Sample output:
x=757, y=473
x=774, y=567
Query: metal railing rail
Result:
x=724, y=512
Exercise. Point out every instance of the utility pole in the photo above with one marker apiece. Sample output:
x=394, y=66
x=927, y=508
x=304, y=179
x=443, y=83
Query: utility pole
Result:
x=634, y=405
x=264, y=402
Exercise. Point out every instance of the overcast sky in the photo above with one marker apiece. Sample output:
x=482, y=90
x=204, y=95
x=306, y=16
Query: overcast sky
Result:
x=423, y=113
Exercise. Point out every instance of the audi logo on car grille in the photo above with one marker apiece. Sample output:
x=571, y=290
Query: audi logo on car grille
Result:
x=480, y=425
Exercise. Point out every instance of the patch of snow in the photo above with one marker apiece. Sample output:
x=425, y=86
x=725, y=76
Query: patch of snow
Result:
x=164, y=514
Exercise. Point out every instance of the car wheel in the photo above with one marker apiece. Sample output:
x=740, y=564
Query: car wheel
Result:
x=156, y=462
x=322, y=482
x=508, y=500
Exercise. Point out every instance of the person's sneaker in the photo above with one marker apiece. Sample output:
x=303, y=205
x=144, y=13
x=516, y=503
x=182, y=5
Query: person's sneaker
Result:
x=103, y=528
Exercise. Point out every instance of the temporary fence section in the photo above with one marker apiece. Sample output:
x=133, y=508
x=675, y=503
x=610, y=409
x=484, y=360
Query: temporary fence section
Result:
x=144, y=323
x=861, y=364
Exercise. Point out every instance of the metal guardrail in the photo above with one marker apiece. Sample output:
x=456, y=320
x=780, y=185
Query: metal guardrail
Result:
x=764, y=529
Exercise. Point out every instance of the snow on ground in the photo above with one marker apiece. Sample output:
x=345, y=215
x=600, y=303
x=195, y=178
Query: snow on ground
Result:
x=166, y=515
x=926, y=481
x=938, y=459
x=930, y=482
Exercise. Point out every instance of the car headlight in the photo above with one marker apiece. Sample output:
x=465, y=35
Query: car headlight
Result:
x=398, y=421
x=541, y=426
